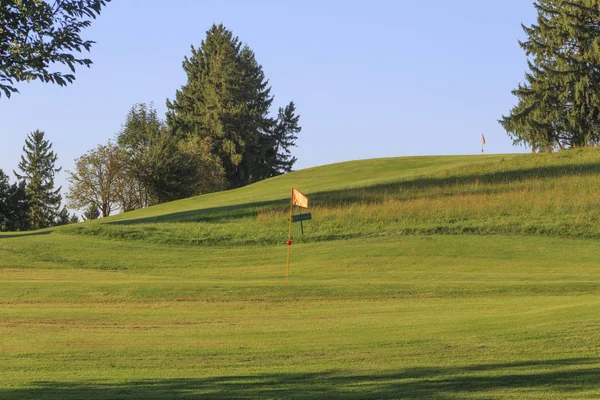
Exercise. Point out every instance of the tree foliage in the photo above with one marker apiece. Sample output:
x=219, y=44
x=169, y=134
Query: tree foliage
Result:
x=91, y=213
x=4, y=186
x=284, y=136
x=225, y=106
x=18, y=208
x=14, y=205
x=559, y=105
x=73, y=219
x=4, y=193
x=97, y=179
x=32, y=202
x=63, y=217
x=35, y=35
x=164, y=167
x=218, y=134
x=37, y=168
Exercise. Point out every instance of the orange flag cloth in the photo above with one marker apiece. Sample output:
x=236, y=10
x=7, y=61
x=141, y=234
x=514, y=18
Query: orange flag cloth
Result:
x=298, y=199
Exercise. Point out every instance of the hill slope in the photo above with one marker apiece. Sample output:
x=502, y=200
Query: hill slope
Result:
x=345, y=175
x=526, y=194
x=189, y=299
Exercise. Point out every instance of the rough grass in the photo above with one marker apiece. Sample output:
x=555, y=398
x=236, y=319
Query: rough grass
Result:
x=189, y=300
x=554, y=195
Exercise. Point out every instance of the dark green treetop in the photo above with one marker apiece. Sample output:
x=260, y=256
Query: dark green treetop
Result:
x=225, y=103
x=37, y=167
x=14, y=205
x=559, y=105
x=63, y=217
x=4, y=188
x=91, y=213
x=158, y=159
x=284, y=136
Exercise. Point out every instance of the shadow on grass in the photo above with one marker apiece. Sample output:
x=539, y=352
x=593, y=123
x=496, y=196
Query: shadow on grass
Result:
x=215, y=214
x=567, y=378
x=374, y=194
x=25, y=234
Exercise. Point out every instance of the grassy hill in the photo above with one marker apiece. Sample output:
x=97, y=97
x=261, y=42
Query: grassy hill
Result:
x=421, y=277
x=543, y=194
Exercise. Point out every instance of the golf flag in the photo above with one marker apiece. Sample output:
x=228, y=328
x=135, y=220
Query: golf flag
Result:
x=298, y=199
x=482, y=143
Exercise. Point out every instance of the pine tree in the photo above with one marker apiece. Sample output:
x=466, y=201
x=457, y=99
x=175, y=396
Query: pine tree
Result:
x=18, y=208
x=63, y=217
x=91, y=213
x=559, y=105
x=14, y=205
x=37, y=168
x=4, y=188
x=284, y=136
x=225, y=104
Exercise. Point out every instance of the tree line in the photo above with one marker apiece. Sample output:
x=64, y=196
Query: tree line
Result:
x=33, y=202
x=218, y=134
x=36, y=38
x=221, y=114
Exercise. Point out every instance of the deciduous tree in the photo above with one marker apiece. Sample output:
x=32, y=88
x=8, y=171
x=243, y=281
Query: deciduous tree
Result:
x=165, y=167
x=36, y=35
x=96, y=179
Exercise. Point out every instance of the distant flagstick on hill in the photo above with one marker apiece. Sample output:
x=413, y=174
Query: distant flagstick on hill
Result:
x=482, y=142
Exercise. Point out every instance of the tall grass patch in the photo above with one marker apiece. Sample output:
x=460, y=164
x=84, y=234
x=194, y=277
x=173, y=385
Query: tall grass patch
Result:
x=555, y=194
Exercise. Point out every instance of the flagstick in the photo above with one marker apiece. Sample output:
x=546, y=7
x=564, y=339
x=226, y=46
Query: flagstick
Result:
x=482, y=143
x=287, y=267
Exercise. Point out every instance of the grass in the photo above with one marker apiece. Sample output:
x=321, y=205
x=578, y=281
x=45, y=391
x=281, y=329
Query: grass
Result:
x=553, y=195
x=188, y=299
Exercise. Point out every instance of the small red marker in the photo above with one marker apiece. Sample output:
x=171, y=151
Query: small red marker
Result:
x=289, y=242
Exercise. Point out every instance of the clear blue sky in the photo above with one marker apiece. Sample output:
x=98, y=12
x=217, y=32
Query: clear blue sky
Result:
x=370, y=78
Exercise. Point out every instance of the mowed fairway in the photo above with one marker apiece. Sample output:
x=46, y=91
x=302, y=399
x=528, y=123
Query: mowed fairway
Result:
x=98, y=312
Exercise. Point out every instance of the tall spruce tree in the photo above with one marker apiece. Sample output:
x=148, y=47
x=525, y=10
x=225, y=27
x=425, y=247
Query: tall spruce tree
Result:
x=559, y=105
x=225, y=104
x=283, y=137
x=4, y=188
x=37, y=168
